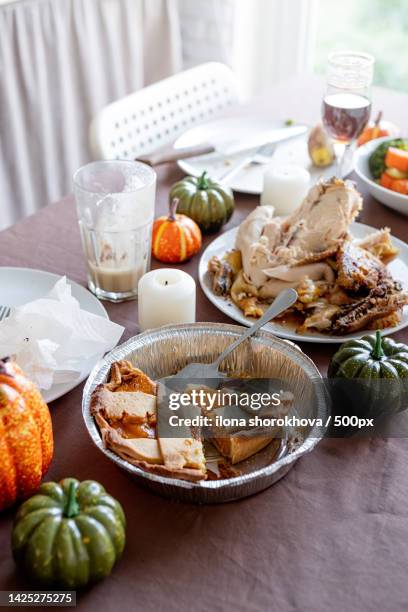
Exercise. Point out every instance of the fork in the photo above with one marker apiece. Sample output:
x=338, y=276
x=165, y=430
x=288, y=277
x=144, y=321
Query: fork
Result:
x=262, y=155
x=284, y=300
x=5, y=312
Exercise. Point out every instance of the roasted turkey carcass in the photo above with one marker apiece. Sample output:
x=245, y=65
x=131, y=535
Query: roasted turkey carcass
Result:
x=271, y=246
x=357, y=268
x=385, y=299
x=343, y=284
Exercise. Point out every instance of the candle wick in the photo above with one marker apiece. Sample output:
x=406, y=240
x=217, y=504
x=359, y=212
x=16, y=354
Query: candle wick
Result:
x=166, y=282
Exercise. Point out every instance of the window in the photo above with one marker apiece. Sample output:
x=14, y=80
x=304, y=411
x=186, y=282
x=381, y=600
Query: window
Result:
x=379, y=27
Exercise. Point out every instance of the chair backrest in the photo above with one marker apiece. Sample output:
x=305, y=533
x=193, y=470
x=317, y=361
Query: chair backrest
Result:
x=154, y=116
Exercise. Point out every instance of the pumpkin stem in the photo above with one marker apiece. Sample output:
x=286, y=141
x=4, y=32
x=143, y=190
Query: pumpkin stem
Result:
x=378, y=351
x=173, y=207
x=378, y=119
x=202, y=181
x=3, y=368
x=71, y=507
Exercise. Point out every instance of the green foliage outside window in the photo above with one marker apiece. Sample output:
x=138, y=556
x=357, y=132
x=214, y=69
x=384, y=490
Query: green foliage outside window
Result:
x=379, y=27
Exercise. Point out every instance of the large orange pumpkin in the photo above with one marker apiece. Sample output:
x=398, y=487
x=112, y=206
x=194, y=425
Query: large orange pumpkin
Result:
x=26, y=440
x=175, y=238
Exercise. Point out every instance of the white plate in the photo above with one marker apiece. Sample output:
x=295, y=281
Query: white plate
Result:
x=226, y=242
x=250, y=178
x=397, y=201
x=22, y=285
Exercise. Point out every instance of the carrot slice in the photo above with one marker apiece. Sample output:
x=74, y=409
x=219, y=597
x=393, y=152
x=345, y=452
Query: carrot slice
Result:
x=386, y=181
x=400, y=185
x=397, y=158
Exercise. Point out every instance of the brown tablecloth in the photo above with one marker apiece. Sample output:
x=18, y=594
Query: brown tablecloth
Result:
x=331, y=535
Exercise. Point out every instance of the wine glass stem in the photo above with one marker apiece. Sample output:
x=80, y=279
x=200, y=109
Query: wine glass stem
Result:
x=340, y=149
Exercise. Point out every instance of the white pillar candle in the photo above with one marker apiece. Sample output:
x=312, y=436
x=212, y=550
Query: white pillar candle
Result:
x=166, y=296
x=284, y=188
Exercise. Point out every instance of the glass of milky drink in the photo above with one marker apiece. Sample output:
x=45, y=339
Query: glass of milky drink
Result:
x=115, y=206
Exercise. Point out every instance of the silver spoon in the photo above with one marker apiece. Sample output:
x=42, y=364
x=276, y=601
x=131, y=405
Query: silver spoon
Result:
x=284, y=300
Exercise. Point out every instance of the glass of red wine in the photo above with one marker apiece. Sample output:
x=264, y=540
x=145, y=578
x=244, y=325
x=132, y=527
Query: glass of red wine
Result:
x=347, y=101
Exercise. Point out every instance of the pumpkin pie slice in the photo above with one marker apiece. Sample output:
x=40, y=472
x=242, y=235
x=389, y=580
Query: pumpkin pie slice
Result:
x=236, y=448
x=234, y=442
x=238, y=442
x=125, y=410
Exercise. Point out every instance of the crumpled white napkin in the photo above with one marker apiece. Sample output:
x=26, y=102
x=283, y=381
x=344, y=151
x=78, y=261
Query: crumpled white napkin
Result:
x=52, y=337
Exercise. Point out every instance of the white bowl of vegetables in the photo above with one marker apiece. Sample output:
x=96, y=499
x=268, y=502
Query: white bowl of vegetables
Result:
x=382, y=164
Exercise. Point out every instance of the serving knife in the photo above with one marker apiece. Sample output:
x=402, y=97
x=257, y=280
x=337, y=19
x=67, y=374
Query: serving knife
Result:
x=225, y=149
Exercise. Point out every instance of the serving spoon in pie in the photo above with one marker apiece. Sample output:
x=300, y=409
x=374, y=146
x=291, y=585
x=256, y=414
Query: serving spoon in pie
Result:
x=284, y=300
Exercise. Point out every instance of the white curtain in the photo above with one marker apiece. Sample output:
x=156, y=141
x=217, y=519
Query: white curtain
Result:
x=60, y=62
x=264, y=41
x=207, y=31
x=273, y=41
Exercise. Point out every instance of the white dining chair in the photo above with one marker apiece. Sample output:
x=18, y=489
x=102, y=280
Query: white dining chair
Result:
x=155, y=115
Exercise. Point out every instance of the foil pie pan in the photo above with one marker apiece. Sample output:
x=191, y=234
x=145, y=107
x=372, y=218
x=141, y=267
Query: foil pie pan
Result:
x=164, y=351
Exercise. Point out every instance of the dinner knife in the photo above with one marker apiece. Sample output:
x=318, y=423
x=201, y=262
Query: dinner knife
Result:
x=224, y=149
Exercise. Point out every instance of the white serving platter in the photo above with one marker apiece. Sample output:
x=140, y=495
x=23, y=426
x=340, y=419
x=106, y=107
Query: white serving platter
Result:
x=225, y=242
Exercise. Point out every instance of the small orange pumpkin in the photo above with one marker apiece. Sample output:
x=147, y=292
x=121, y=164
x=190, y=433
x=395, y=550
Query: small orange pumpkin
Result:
x=26, y=440
x=175, y=238
x=376, y=130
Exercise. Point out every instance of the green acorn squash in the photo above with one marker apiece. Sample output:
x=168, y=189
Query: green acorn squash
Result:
x=68, y=534
x=369, y=376
x=370, y=357
x=207, y=202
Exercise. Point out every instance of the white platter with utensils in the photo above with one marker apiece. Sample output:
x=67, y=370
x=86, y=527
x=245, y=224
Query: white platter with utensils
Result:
x=229, y=133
